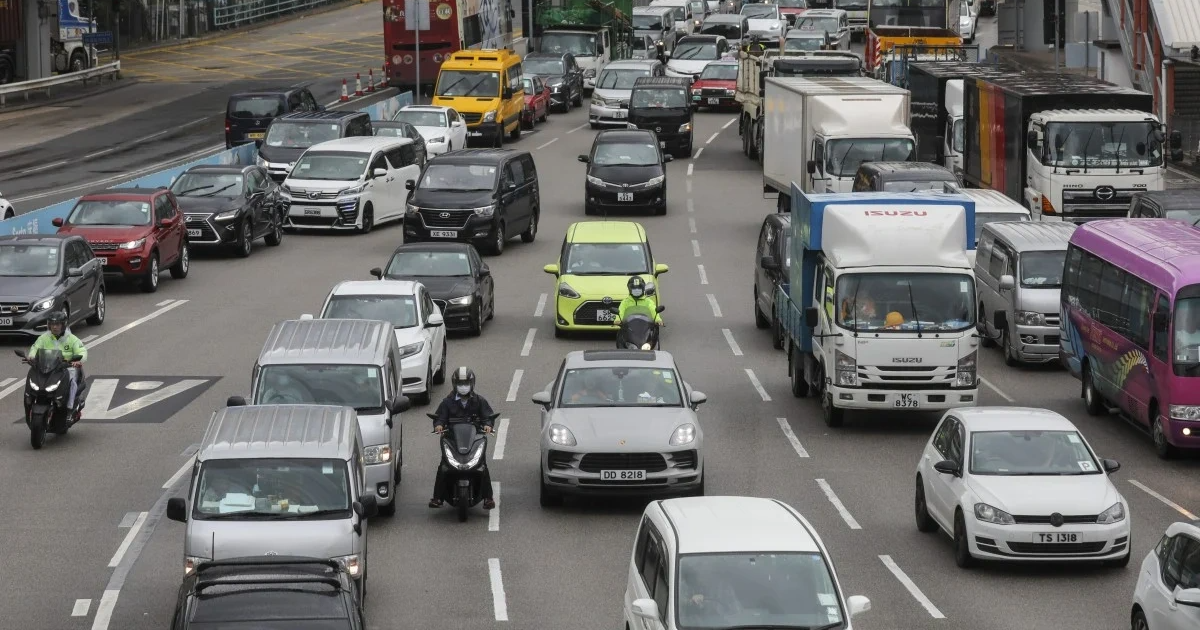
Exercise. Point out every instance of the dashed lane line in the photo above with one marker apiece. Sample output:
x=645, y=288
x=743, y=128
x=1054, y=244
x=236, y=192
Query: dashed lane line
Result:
x=757, y=385
x=541, y=305
x=733, y=344
x=712, y=301
x=691, y=205
x=1169, y=503
x=997, y=390
x=703, y=274
x=81, y=607
x=546, y=144
x=712, y=137
x=578, y=128
x=128, y=520
x=689, y=185
x=528, y=345
x=104, y=609
x=692, y=225
x=911, y=587
x=494, y=513
x=514, y=386
x=42, y=167
x=727, y=124
x=124, y=547
x=690, y=167
x=791, y=438
x=695, y=248
x=183, y=470
x=499, y=603
x=838, y=505
x=501, y=439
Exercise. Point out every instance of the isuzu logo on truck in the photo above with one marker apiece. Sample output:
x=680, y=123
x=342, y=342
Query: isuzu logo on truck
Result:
x=895, y=213
x=906, y=359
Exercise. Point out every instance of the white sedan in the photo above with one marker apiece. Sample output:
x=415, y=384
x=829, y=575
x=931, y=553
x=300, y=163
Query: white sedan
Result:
x=968, y=21
x=1167, y=596
x=420, y=332
x=1013, y=483
x=6, y=208
x=443, y=128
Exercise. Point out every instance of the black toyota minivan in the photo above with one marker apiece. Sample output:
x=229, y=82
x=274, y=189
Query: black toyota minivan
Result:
x=662, y=105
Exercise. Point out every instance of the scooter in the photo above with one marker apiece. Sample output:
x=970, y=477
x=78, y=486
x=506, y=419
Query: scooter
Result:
x=46, y=391
x=464, y=457
x=638, y=330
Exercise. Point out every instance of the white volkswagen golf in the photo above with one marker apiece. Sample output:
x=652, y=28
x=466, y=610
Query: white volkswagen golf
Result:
x=1020, y=484
x=443, y=128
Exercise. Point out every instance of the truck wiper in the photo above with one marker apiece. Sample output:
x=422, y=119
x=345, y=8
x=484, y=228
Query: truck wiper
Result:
x=854, y=305
x=913, y=304
x=1087, y=143
x=1121, y=137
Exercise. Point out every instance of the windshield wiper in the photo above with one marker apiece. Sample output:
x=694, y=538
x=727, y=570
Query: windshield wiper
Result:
x=232, y=515
x=913, y=304
x=366, y=409
x=192, y=190
x=217, y=190
x=295, y=516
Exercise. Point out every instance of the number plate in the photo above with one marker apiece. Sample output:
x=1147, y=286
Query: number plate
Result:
x=622, y=475
x=475, y=134
x=907, y=401
x=714, y=101
x=312, y=212
x=443, y=233
x=620, y=114
x=103, y=261
x=605, y=315
x=6, y=321
x=624, y=196
x=255, y=136
x=194, y=233
x=1056, y=537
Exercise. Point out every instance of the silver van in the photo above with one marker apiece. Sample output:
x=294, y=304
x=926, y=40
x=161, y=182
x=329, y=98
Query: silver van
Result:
x=278, y=480
x=349, y=362
x=657, y=22
x=1018, y=273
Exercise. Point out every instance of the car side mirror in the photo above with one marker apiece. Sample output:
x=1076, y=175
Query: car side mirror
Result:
x=1007, y=282
x=399, y=404
x=660, y=269
x=812, y=167
x=542, y=398
x=167, y=222
x=645, y=608
x=1176, y=140
x=551, y=269
x=177, y=509
x=506, y=94
x=660, y=308
x=812, y=317
x=1031, y=140
x=1110, y=465
x=485, y=270
x=1188, y=597
x=366, y=506
x=57, y=222
x=377, y=272
x=235, y=401
x=74, y=272
x=410, y=185
x=698, y=398
x=1000, y=320
x=435, y=320
x=379, y=172
x=769, y=263
x=947, y=467
x=667, y=157
x=624, y=105
x=583, y=158
x=857, y=604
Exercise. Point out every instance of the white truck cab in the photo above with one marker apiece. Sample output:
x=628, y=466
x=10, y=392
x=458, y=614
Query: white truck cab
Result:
x=954, y=138
x=592, y=48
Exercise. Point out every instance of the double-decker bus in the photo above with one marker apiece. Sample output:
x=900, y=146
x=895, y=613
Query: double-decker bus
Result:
x=1130, y=324
x=453, y=25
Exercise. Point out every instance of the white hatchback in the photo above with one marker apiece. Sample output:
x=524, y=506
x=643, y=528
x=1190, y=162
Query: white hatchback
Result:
x=1167, y=596
x=442, y=127
x=1014, y=483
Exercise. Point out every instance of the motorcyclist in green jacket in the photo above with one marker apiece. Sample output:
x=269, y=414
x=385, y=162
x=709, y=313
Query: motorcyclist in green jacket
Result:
x=57, y=337
x=638, y=298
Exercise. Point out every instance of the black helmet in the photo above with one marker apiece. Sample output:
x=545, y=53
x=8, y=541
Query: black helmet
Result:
x=463, y=376
x=637, y=286
x=57, y=317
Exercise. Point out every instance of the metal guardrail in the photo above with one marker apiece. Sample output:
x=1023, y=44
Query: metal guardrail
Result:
x=237, y=13
x=44, y=85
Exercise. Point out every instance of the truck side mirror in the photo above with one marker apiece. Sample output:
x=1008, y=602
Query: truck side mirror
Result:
x=1059, y=141
x=812, y=167
x=812, y=317
x=1176, y=139
x=1006, y=283
x=1031, y=140
x=769, y=263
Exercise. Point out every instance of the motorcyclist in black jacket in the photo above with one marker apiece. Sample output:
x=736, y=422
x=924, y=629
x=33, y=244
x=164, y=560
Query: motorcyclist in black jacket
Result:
x=463, y=405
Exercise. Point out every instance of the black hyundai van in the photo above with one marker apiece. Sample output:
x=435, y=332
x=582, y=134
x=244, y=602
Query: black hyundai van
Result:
x=288, y=137
x=661, y=105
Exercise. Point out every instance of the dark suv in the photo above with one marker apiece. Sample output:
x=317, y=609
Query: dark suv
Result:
x=662, y=105
x=561, y=73
x=269, y=593
x=248, y=114
x=289, y=136
x=480, y=196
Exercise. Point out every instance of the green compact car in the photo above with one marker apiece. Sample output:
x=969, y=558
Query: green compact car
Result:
x=597, y=259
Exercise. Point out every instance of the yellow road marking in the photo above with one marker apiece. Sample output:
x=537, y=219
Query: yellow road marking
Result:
x=296, y=58
x=196, y=69
x=258, y=64
x=337, y=52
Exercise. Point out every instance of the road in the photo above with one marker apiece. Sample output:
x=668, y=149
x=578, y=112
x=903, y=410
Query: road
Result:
x=84, y=520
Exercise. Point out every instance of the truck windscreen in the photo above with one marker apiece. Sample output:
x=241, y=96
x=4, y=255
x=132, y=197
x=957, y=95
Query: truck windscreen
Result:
x=578, y=44
x=1103, y=144
x=905, y=302
x=844, y=156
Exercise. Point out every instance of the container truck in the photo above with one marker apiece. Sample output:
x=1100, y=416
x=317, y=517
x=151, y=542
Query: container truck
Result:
x=927, y=25
x=937, y=111
x=10, y=35
x=882, y=316
x=818, y=130
x=1068, y=147
x=66, y=51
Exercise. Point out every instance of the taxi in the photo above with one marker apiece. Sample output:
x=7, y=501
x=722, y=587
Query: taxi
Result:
x=593, y=271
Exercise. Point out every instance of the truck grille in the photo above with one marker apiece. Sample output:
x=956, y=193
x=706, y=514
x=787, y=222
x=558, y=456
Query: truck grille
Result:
x=585, y=314
x=649, y=462
x=207, y=233
x=906, y=377
x=445, y=218
x=1090, y=204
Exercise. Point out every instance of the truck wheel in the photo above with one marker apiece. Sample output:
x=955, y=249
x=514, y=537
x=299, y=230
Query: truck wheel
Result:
x=833, y=416
x=79, y=61
x=745, y=137
x=799, y=385
x=776, y=334
x=758, y=141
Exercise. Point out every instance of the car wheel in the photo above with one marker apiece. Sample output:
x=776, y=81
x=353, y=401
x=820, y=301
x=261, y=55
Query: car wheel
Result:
x=984, y=339
x=546, y=496
x=595, y=125
x=439, y=377
x=424, y=397
x=760, y=321
x=491, y=309
x=545, y=114
x=97, y=317
x=150, y=280
x=1010, y=358
x=275, y=237
x=530, y=232
x=516, y=132
x=588, y=209
x=368, y=219
x=925, y=523
x=559, y=333
x=800, y=387
x=179, y=270
x=578, y=99
x=1139, y=621
x=1121, y=562
x=962, y=546
x=245, y=243
x=776, y=334
x=476, y=328
x=1091, y=397
x=390, y=508
x=499, y=238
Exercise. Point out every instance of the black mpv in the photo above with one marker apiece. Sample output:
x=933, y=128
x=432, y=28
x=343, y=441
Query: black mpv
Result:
x=662, y=105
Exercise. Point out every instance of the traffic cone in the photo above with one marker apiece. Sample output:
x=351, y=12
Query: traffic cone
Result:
x=345, y=95
x=370, y=79
x=358, y=84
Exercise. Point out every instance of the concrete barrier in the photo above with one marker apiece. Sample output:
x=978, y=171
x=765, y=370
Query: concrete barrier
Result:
x=39, y=221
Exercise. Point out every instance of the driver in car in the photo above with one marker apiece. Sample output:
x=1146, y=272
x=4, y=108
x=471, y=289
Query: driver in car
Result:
x=278, y=389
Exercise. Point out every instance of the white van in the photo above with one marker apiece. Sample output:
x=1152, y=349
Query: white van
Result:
x=350, y=184
x=990, y=206
x=685, y=21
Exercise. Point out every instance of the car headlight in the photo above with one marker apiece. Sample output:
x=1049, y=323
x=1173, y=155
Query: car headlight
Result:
x=462, y=301
x=684, y=434
x=228, y=215
x=566, y=291
x=1029, y=318
x=437, y=140
x=846, y=370
x=133, y=244
x=34, y=386
x=596, y=181
x=654, y=181
x=590, y=73
x=484, y=211
x=53, y=387
x=967, y=371
x=380, y=454
x=353, y=190
x=685, y=127
x=43, y=305
x=1184, y=412
x=411, y=349
x=352, y=564
x=411, y=209
x=695, y=92
x=489, y=116
x=191, y=562
x=1114, y=514
x=562, y=435
x=993, y=515
x=261, y=161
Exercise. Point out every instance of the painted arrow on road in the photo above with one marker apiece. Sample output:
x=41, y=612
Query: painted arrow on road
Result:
x=141, y=399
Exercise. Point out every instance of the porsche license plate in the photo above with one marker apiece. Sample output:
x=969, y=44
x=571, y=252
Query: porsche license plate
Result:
x=622, y=475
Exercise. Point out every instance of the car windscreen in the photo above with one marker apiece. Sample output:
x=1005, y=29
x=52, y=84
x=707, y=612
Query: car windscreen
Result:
x=620, y=387
x=425, y=263
x=984, y=218
x=460, y=177
x=625, y=154
x=390, y=132
x=330, y=166
x=820, y=25
x=1041, y=270
x=578, y=44
x=803, y=44
x=720, y=72
x=272, y=489
x=208, y=184
x=1191, y=216
x=256, y=107
x=757, y=590
x=647, y=22
x=467, y=83
x=900, y=185
x=110, y=213
x=694, y=51
x=1031, y=453
x=659, y=97
x=421, y=118
x=400, y=310
x=29, y=260
x=759, y=11
x=606, y=259
x=619, y=79
x=551, y=67
x=359, y=387
x=300, y=135
x=722, y=29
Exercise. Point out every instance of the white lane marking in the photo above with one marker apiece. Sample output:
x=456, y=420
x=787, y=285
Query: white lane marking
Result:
x=128, y=520
x=501, y=439
x=726, y=125
x=996, y=389
x=703, y=274
x=1184, y=174
x=81, y=607
x=541, y=306
x=104, y=609
x=183, y=470
x=697, y=156
x=165, y=132
x=791, y=438
x=126, y=177
x=514, y=386
x=164, y=302
x=499, y=605
x=525, y=349
x=696, y=248
x=689, y=186
x=757, y=385
x=43, y=167
x=712, y=137
x=1169, y=503
x=691, y=204
x=690, y=167
x=733, y=344
x=579, y=127
x=837, y=504
x=543, y=146
x=692, y=225
x=712, y=301
x=911, y=587
x=133, y=532
x=89, y=338
x=102, y=392
x=190, y=450
x=6, y=382
x=494, y=513
x=99, y=153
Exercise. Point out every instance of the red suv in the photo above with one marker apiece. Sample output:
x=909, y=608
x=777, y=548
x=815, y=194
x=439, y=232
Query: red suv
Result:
x=135, y=232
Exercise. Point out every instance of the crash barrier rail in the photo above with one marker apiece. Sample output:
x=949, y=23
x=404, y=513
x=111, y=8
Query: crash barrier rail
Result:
x=40, y=221
x=239, y=13
x=43, y=85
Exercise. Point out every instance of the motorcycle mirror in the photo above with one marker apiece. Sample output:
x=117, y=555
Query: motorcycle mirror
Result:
x=20, y=353
x=432, y=416
x=660, y=308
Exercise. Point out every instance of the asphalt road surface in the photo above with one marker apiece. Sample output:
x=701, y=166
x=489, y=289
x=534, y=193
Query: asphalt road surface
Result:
x=88, y=547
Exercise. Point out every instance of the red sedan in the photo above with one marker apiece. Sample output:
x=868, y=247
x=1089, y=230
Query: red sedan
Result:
x=791, y=10
x=537, y=101
x=716, y=86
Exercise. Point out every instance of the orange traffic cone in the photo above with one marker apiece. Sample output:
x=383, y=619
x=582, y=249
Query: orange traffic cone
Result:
x=370, y=79
x=345, y=95
x=358, y=84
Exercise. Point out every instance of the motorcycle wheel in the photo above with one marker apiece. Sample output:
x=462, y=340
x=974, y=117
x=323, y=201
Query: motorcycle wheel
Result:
x=37, y=432
x=461, y=501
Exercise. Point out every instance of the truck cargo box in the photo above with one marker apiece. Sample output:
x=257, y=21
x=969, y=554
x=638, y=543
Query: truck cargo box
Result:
x=926, y=80
x=10, y=23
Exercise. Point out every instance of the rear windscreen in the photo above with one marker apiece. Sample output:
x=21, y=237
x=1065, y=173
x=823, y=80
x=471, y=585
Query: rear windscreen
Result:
x=256, y=107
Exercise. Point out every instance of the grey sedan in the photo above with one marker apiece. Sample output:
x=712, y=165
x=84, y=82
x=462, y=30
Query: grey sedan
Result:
x=620, y=422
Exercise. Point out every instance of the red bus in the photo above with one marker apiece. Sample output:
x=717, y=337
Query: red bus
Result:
x=480, y=24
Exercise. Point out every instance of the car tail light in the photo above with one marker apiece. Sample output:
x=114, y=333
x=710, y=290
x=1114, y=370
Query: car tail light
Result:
x=228, y=125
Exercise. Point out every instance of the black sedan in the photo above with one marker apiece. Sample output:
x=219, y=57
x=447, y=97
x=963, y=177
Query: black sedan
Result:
x=43, y=273
x=401, y=129
x=625, y=172
x=457, y=279
x=561, y=73
x=229, y=206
